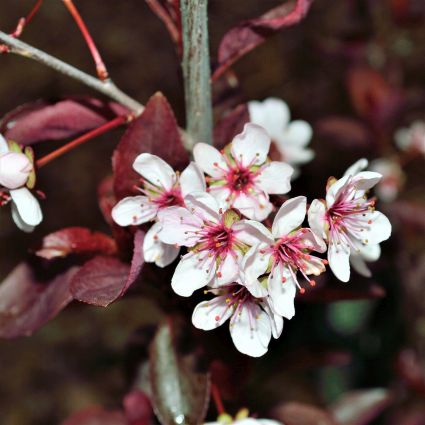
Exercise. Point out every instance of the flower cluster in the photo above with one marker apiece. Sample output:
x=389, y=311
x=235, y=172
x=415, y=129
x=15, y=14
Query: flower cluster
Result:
x=219, y=210
x=17, y=177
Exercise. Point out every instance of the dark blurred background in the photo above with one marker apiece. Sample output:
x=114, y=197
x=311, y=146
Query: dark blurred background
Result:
x=77, y=359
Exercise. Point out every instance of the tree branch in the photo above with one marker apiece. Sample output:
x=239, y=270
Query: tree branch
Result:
x=196, y=70
x=108, y=88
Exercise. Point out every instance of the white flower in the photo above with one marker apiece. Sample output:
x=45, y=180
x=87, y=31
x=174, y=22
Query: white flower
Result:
x=286, y=252
x=242, y=418
x=290, y=138
x=412, y=138
x=349, y=222
x=217, y=242
x=252, y=322
x=161, y=188
x=15, y=169
x=241, y=177
x=392, y=178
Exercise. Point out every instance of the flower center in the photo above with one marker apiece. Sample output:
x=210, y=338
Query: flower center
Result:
x=169, y=198
x=217, y=239
x=240, y=179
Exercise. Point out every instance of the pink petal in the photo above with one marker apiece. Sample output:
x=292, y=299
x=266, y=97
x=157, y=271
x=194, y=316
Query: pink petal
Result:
x=155, y=251
x=290, y=216
x=192, y=180
x=210, y=160
x=255, y=206
x=211, y=314
x=155, y=170
x=275, y=178
x=204, y=206
x=134, y=210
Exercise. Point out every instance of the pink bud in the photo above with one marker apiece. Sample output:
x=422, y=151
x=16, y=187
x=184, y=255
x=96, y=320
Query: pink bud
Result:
x=14, y=170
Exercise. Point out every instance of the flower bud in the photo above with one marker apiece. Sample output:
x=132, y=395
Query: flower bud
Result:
x=14, y=170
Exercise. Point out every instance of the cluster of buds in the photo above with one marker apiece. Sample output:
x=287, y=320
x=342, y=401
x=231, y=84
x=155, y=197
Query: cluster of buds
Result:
x=218, y=210
x=17, y=178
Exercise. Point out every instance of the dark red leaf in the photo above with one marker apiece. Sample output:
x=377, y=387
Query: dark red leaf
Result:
x=294, y=413
x=155, y=132
x=249, y=34
x=138, y=409
x=100, y=281
x=96, y=416
x=360, y=407
x=76, y=240
x=27, y=304
x=345, y=132
x=410, y=369
x=231, y=125
x=41, y=120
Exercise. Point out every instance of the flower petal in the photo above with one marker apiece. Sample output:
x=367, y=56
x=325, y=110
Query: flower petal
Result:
x=290, y=216
x=210, y=160
x=251, y=232
x=251, y=147
x=19, y=222
x=298, y=133
x=359, y=265
x=4, y=148
x=251, y=330
x=366, y=180
x=335, y=189
x=155, y=251
x=254, y=264
x=358, y=166
x=295, y=155
x=338, y=257
x=155, y=170
x=317, y=218
x=27, y=206
x=134, y=210
x=282, y=293
x=211, y=314
x=276, y=321
x=272, y=114
x=311, y=241
x=275, y=178
x=204, y=206
x=255, y=206
x=379, y=230
x=178, y=226
x=192, y=273
x=227, y=271
x=192, y=180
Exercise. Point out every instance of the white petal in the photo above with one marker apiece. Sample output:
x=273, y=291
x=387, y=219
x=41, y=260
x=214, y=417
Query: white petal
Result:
x=4, y=148
x=370, y=252
x=192, y=180
x=276, y=321
x=192, y=273
x=338, y=257
x=178, y=226
x=295, y=155
x=335, y=189
x=275, y=178
x=134, y=210
x=379, y=230
x=366, y=180
x=211, y=314
x=251, y=330
x=254, y=264
x=290, y=216
x=255, y=206
x=359, y=265
x=155, y=251
x=155, y=169
x=228, y=271
x=272, y=114
x=27, y=206
x=298, y=133
x=204, y=206
x=311, y=241
x=282, y=294
x=19, y=222
x=358, y=166
x=316, y=218
x=251, y=147
x=210, y=160
x=251, y=232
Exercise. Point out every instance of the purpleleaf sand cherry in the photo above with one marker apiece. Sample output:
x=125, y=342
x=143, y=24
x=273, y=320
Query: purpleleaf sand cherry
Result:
x=241, y=176
x=161, y=187
x=348, y=221
x=16, y=176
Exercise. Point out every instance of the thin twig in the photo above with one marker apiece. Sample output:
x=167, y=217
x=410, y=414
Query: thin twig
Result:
x=108, y=88
x=217, y=399
x=116, y=122
x=98, y=61
x=162, y=14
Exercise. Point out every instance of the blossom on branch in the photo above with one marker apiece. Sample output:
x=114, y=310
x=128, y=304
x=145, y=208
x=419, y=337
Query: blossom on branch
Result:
x=241, y=176
x=17, y=176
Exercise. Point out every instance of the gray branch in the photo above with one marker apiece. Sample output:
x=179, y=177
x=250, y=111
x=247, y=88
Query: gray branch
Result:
x=196, y=70
x=108, y=88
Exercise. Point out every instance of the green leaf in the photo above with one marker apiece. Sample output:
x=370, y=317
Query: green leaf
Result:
x=180, y=384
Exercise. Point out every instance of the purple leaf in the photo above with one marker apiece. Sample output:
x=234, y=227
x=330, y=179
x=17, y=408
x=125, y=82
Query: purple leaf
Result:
x=231, y=125
x=249, y=34
x=76, y=240
x=26, y=304
x=360, y=407
x=40, y=121
x=155, y=132
x=96, y=416
x=100, y=281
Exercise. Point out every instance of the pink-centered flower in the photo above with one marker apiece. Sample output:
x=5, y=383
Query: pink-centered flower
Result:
x=161, y=187
x=216, y=240
x=272, y=267
x=252, y=321
x=242, y=177
x=291, y=138
x=15, y=170
x=347, y=219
